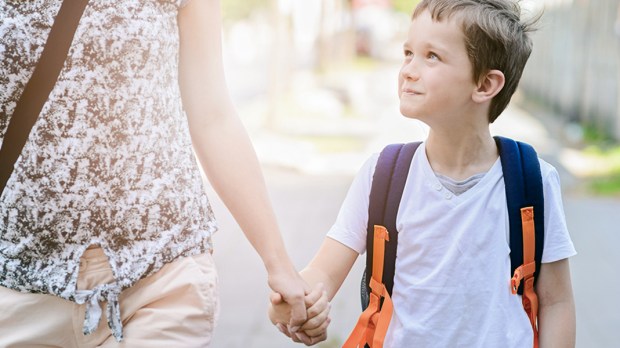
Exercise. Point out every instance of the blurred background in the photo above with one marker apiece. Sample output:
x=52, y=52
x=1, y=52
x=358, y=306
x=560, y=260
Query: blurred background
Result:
x=315, y=83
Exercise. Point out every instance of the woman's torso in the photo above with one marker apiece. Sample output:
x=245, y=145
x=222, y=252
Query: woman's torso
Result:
x=109, y=160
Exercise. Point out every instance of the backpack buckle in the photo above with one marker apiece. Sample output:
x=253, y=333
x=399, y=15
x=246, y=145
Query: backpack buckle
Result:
x=376, y=288
x=524, y=271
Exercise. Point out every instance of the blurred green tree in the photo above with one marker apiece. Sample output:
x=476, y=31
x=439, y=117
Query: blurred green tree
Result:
x=405, y=6
x=234, y=10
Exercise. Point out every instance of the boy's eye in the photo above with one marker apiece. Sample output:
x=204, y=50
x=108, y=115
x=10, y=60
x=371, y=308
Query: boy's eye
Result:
x=432, y=55
x=408, y=53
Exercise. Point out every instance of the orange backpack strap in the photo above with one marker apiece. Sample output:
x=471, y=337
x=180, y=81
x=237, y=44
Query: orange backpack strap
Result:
x=524, y=196
x=526, y=271
x=374, y=321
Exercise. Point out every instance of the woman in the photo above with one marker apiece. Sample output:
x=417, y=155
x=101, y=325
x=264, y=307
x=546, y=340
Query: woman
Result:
x=105, y=208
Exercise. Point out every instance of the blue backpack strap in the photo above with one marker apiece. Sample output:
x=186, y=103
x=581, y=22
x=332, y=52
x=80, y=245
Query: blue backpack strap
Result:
x=523, y=181
x=387, y=188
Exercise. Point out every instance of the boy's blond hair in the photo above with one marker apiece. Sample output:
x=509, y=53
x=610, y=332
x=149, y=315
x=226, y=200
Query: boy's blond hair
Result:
x=495, y=38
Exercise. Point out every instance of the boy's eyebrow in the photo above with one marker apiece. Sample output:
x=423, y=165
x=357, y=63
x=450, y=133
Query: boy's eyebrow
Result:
x=428, y=46
x=439, y=49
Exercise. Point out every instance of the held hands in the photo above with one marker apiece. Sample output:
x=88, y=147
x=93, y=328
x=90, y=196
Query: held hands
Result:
x=291, y=288
x=314, y=330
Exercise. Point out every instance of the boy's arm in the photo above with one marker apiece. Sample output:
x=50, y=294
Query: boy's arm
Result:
x=330, y=266
x=556, y=314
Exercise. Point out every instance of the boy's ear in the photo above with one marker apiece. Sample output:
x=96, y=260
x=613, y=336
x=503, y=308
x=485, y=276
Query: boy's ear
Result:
x=489, y=85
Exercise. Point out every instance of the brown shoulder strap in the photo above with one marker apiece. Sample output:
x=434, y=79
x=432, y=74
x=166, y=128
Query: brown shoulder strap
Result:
x=39, y=86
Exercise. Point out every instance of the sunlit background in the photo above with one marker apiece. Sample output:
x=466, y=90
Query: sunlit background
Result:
x=315, y=84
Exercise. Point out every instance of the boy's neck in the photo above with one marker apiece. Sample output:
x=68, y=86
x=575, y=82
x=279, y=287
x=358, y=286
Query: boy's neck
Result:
x=461, y=153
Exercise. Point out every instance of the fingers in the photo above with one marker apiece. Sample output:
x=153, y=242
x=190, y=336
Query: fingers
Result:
x=318, y=323
x=314, y=330
x=278, y=310
x=292, y=288
x=310, y=339
x=301, y=337
x=283, y=329
x=318, y=312
x=320, y=334
x=314, y=295
x=275, y=298
x=298, y=312
x=321, y=305
x=296, y=337
x=317, y=295
x=321, y=329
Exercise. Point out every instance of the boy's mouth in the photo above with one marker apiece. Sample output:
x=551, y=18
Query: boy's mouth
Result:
x=410, y=91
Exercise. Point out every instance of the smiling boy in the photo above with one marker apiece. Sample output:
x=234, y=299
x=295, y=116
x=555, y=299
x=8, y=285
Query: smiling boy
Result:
x=462, y=62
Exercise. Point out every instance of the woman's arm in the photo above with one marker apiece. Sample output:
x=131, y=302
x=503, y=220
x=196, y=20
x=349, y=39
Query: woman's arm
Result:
x=556, y=313
x=224, y=149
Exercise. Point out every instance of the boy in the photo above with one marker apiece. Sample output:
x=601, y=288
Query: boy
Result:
x=462, y=62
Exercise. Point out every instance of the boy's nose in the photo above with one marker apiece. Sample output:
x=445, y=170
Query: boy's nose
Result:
x=409, y=70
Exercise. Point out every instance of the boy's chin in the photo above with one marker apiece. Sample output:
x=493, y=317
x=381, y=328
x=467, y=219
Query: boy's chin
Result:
x=411, y=115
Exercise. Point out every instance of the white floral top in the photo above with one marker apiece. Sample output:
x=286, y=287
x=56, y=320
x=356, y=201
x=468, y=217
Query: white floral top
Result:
x=109, y=160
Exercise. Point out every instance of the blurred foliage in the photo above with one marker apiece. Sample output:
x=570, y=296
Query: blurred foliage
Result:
x=234, y=10
x=596, y=135
x=364, y=63
x=607, y=184
x=405, y=6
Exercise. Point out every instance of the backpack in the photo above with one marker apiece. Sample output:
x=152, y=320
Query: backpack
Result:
x=524, y=195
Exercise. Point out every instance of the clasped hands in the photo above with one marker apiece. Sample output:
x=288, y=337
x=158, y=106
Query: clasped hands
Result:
x=314, y=330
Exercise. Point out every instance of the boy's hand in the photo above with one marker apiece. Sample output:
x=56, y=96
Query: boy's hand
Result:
x=318, y=314
x=292, y=288
x=314, y=330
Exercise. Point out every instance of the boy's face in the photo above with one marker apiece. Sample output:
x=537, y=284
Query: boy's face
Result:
x=435, y=82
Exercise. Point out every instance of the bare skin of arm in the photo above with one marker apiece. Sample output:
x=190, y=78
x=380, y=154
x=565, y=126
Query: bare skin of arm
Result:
x=224, y=150
x=327, y=270
x=556, y=313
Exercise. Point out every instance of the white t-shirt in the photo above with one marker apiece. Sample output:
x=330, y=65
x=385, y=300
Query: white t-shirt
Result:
x=451, y=285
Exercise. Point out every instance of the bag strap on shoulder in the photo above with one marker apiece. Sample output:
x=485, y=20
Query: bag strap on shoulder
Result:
x=523, y=181
x=525, y=199
x=387, y=188
x=39, y=86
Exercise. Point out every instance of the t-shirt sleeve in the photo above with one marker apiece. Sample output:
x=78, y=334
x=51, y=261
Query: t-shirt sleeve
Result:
x=558, y=244
x=350, y=226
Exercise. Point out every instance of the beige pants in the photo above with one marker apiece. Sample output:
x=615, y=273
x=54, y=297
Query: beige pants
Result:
x=176, y=307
